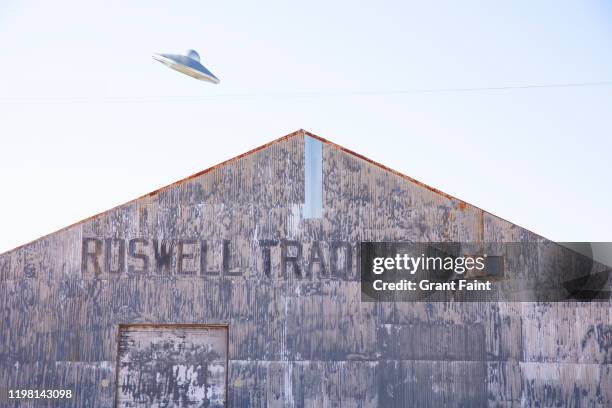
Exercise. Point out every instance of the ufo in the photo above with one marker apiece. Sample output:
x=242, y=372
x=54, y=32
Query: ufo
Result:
x=188, y=64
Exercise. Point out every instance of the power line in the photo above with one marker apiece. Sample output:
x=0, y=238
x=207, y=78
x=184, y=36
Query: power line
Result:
x=293, y=94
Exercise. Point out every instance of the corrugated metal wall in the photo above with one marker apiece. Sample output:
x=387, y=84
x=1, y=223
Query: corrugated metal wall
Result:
x=295, y=339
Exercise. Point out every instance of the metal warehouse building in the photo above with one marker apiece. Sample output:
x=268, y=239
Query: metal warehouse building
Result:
x=239, y=286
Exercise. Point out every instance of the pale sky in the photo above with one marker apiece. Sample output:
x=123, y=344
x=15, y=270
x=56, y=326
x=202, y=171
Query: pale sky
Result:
x=87, y=122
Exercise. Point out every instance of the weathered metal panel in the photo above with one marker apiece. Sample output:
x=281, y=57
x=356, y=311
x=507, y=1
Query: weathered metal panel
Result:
x=92, y=384
x=566, y=385
x=431, y=341
x=232, y=246
x=178, y=366
x=425, y=383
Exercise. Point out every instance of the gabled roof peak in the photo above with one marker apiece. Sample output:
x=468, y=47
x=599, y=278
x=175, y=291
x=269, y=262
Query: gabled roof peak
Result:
x=298, y=133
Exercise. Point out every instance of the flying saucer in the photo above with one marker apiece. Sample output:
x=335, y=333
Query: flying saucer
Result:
x=188, y=64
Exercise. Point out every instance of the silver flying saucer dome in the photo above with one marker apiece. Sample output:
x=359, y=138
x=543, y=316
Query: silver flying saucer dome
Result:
x=188, y=64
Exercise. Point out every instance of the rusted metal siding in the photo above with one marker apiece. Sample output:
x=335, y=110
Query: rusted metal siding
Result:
x=296, y=339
